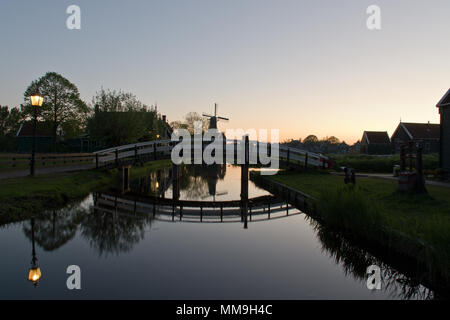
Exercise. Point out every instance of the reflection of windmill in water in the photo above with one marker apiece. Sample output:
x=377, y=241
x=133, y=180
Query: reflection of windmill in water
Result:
x=212, y=174
x=215, y=118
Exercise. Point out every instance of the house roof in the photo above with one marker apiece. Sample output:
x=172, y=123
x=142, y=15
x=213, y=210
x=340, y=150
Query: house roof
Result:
x=381, y=137
x=43, y=129
x=422, y=130
x=445, y=101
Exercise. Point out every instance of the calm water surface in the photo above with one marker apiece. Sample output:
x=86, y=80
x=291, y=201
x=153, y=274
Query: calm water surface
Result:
x=127, y=255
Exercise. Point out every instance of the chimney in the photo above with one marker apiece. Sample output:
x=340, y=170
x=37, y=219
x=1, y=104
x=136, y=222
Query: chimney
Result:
x=164, y=118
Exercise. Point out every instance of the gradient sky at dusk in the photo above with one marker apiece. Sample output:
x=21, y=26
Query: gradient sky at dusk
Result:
x=300, y=66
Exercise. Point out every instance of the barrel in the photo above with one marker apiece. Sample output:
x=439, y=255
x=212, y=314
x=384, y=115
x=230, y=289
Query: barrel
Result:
x=407, y=181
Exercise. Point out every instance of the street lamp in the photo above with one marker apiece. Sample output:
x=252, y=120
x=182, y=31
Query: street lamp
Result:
x=36, y=101
x=35, y=272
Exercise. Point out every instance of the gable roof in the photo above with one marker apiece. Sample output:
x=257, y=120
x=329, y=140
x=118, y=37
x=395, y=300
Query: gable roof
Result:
x=380, y=137
x=422, y=130
x=445, y=101
x=43, y=129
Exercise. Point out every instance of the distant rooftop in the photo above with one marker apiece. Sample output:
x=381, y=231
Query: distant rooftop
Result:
x=380, y=137
x=445, y=101
x=422, y=130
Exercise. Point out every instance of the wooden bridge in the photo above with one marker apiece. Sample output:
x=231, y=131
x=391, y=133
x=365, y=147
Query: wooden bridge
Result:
x=161, y=149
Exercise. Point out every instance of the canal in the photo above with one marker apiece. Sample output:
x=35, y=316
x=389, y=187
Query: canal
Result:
x=133, y=251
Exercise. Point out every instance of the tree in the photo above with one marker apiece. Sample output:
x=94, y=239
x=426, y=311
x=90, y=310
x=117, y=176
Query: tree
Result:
x=189, y=122
x=119, y=118
x=311, y=139
x=62, y=106
x=332, y=140
x=10, y=120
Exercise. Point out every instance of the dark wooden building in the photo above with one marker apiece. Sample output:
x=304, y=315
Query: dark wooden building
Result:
x=375, y=142
x=444, y=147
x=427, y=134
x=44, y=137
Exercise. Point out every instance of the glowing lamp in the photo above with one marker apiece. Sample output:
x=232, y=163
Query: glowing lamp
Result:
x=34, y=275
x=36, y=100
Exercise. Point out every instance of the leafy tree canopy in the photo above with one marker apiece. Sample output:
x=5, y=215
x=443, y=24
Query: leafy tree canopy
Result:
x=62, y=103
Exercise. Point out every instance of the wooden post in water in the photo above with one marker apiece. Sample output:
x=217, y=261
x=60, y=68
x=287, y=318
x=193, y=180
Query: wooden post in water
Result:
x=224, y=149
x=244, y=182
x=235, y=151
x=125, y=179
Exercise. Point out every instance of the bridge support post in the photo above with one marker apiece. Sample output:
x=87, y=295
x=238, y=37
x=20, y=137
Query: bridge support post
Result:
x=175, y=182
x=224, y=149
x=244, y=183
x=235, y=156
x=125, y=179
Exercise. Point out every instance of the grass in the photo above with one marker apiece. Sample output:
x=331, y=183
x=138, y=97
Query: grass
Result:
x=380, y=164
x=21, y=197
x=375, y=211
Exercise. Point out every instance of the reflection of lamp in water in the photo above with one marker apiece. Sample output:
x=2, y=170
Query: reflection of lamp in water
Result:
x=157, y=185
x=35, y=272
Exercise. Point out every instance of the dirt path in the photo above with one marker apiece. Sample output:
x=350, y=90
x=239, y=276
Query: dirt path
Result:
x=43, y=171
x=388, y=176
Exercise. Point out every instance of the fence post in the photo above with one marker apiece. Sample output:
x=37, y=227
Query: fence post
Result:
x=306, y=160
x=117, y=157
x=135, y=154
x=96, y=160
x=154, y=151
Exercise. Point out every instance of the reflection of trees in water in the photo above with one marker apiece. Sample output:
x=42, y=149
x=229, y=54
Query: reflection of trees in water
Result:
x=113, y=233
x=53, y=229
x=355, y=261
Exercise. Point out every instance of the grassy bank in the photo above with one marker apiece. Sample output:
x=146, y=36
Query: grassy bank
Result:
x=380, y=164
x=23, y=196
x=376, y=212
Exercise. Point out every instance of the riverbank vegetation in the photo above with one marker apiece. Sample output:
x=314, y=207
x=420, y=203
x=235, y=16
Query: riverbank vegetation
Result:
x=373, y=210
x=21, y=197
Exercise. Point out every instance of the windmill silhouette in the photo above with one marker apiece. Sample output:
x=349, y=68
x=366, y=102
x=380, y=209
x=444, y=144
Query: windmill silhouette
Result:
x=213, y=119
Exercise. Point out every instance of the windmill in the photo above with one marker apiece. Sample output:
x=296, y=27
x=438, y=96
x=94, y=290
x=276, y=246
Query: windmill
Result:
x=213, y=119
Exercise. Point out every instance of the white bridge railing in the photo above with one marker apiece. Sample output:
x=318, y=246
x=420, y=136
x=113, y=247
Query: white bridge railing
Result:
x=149, y=148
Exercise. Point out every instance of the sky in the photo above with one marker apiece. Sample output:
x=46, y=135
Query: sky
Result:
x=304, y=67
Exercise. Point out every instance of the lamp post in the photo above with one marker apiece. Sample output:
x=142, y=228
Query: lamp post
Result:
x=36, y=101
x=35, y=272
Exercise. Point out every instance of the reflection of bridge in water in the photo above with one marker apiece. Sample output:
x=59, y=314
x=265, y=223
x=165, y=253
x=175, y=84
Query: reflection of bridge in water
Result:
x=259, y=209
